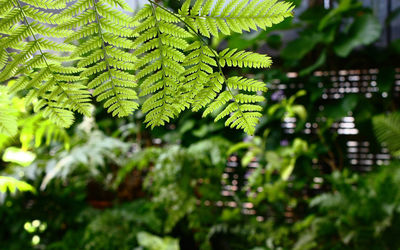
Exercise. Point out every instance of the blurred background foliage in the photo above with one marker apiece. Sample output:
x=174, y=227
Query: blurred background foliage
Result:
x=113, y=184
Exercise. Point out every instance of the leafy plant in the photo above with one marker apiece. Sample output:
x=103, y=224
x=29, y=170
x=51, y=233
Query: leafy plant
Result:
x=259, y=198
x=120, y=226
x=362, y=213
x=93, y=153
x=177, y=177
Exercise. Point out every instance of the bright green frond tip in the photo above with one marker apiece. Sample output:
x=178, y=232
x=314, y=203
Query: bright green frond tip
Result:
x=107, y=55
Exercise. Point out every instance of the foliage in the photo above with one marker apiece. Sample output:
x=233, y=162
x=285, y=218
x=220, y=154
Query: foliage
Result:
x=95, y=151
x=120, y=227
x=363, y=31
x=362, y=213
x=109, y=183
x=176, y=181
x=118, y=51
x=31, y=130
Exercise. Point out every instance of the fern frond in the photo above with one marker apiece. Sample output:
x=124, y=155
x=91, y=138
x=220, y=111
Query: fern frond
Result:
x=244, y=120
x=40, y=16
x=246, y=84
x=236, y=16
x=51, y=86
x=159, y=64
x=85, y=31
x=243, y=113
x=176, y=68
x=199, y=67
x=208, y=92
x=55, y=4
x=118, y=3
x=387, y=130
x=49, y=31
x=222, y=99
x=116, y=29
x=114, y=16
x=243, y=98
x=105, y=63
x=55, y=112
x=3, y=58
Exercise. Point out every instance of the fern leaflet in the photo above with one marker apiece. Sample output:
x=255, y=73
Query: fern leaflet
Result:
x=236, y=16
x=387, y=130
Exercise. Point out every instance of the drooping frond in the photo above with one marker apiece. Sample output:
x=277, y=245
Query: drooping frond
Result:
x=241, y=108
x=205, y=85
x=159, y=47
x=56, y=90
x=163, y=51
x=237, y=15
x=106, y=61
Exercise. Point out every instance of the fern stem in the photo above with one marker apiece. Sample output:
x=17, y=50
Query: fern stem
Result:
x=213, y=51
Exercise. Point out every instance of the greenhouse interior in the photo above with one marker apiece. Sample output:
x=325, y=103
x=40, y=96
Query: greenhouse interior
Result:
x=200, y=124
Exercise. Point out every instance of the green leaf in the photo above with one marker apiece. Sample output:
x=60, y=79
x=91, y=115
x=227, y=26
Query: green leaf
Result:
x=336, y=13
x=239, y=146
x=396, y=46
x=12, y=184
x=299, y=110
x=387, y=130
x=288, y=169
x=153, y=242
x=320, y=61
x=297, y=49
x=363, y=31
x=386, y=79
x=393, y=15
x=18, y=156
x=341, y=109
